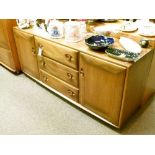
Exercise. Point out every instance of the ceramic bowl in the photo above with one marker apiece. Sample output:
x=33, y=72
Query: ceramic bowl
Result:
x=98, y=42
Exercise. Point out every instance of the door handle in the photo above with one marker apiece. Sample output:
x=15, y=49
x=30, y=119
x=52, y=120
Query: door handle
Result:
x=81, y=72
x=33, y=51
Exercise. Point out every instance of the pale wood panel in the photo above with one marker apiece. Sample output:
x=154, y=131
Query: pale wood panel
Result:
x=134, y=87
x=59, y=85
x=10, y=23
x=150, y=85
x=58, y=52
x=3, y=36
x=101, y=90
x=26, y=51
x=6, y=57
x=61, y=71
x=7, y=44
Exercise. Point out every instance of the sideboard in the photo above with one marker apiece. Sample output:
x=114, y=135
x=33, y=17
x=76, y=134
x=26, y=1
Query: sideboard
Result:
x=110, y=89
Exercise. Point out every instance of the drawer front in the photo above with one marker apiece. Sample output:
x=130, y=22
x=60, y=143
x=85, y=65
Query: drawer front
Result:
x=59, y=85
x=61, y=71
x=62, y=54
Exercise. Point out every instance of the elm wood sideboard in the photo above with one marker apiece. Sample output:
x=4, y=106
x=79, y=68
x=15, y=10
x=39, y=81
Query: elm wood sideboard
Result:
x=109, y=89
x=8, y=51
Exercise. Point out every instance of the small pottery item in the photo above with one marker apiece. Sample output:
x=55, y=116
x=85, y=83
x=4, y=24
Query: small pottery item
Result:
x=55, y=29
x=98, y=42
x=23, y=23
x=144, y=43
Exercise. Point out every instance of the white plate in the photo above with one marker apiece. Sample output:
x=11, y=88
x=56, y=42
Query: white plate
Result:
x=106, y=28
x=130, y=45
x=147, y=30
x=128, y=27
x=147, y=33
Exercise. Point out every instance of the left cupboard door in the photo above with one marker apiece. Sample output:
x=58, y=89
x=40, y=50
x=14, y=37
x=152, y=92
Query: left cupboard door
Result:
x=27, y=53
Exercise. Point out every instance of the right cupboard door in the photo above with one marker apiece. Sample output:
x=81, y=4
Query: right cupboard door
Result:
x=101, y=87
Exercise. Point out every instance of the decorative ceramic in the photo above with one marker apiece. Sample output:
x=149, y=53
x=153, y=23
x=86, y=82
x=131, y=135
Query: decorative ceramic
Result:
x=130, y=45
x=106, y=30
x=98, y=42
x=128, y=27
x=144, y=43
x=55, y=29
x=23, y=23
x=122, y=54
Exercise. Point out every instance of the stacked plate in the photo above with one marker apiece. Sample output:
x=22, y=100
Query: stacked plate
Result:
x=147, y=30
x=131, y=50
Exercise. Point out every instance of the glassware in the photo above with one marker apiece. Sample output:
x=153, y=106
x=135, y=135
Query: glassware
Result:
x=74, y=31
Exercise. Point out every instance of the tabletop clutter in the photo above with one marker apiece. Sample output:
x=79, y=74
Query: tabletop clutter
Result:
x=99, y=40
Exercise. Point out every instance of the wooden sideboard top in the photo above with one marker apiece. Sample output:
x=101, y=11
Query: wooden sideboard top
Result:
x=82, y=47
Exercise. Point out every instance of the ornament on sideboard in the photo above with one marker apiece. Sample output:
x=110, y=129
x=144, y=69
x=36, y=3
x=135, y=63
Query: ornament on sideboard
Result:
x=75, y=31
x=23, y=23
x=144, y=43
x=55, y=29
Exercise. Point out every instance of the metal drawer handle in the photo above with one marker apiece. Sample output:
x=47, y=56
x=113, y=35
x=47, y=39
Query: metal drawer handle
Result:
x=68, y=57
x=70, y=76
x=45, y=79
x=71, y=93
x=43, y=63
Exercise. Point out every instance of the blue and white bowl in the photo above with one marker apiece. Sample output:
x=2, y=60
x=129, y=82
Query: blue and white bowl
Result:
x=99, y=42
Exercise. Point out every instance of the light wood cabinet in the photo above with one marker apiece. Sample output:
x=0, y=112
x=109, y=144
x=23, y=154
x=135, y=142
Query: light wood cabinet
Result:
x=101, y=86
x=8, y=51
x=27, y=53
x=110, y=89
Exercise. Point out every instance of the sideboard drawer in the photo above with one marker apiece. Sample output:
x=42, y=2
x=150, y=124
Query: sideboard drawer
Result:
x=59, y=85
x=60, y=53
x=61, y=71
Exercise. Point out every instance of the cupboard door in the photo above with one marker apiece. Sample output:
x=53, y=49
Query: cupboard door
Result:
x=27, y=54
x=101, y=87
x=3, y=35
